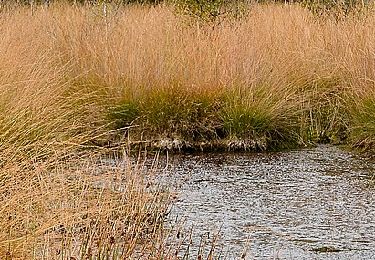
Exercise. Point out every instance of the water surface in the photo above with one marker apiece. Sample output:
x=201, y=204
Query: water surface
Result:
x=308, y=204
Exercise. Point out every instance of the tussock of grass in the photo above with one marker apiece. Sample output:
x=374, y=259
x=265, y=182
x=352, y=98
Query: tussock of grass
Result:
x=362, y=126
x=263, y=118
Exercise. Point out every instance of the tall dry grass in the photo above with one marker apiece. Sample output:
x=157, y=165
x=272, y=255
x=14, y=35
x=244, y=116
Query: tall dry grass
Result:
x=278, y=74
x=58, y=201
x=81, y=209
x=73, y=78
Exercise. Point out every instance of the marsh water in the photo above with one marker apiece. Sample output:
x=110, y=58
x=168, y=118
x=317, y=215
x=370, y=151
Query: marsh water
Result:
x=314, y=203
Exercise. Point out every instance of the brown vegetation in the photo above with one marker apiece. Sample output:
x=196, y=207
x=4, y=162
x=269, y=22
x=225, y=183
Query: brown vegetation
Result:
x=75, y=77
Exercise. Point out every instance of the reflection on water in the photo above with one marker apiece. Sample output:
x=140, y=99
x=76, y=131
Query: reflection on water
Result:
x=310, y=204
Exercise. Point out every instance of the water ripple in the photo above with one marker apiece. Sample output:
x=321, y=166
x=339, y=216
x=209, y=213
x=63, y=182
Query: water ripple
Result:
x=309, y=204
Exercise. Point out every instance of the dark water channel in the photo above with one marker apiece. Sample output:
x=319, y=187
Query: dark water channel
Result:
x=309, y=204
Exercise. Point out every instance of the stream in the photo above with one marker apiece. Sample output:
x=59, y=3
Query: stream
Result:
x=314, y=203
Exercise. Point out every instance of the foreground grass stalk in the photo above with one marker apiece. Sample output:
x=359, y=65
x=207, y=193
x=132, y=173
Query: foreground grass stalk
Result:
x=78, y=209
